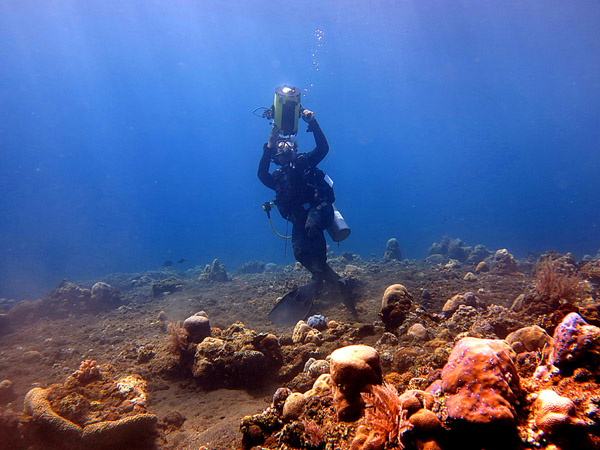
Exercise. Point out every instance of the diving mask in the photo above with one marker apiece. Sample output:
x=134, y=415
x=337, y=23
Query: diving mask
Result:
x=286, y=151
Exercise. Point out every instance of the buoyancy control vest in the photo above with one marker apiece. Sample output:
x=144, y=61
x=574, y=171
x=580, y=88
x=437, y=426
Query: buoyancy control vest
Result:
x=299, y=187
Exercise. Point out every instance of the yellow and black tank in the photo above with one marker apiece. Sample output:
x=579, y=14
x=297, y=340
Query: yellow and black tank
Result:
x=286, y=109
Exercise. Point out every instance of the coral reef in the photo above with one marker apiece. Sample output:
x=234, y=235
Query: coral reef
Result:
x=88, y=371
x=384, y=420
x=504, y=262
x=166, y=286
x=239, y=357
x=452, y=248
x=252, y=267
x=103, y=296
x=557, y=281
x=447, y=364
x=467, y=299
x=576, y=344
x=529, y=339
x=214, y=272
x=392, y=251
x=480, y=381
x=177, y=339
x=65, y=300
x=7, y=391
x=395, y=305
x=197, y=327
x=317, y=321
x=354, y=369
x=106, y=413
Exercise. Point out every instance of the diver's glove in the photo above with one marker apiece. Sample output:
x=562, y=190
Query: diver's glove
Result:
x=308, y=116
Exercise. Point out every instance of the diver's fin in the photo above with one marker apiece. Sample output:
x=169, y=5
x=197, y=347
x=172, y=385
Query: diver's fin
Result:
x=295, y=305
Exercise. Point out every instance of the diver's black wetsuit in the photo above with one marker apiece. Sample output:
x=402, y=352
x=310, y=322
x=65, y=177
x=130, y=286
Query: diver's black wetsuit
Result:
x=304, y=198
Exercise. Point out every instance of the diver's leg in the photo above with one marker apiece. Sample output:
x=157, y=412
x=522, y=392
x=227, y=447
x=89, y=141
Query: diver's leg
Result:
x=322, y=218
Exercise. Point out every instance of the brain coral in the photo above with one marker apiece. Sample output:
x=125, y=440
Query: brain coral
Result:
x=480, y=381
x=554, y=413
x=47, y=424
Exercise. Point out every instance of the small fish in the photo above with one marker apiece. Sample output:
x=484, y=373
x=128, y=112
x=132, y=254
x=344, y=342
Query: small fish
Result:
x=181, y=261
x=168, y=263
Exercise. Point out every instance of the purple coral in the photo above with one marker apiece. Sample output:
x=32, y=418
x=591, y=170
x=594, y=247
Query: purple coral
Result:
x=576, y=344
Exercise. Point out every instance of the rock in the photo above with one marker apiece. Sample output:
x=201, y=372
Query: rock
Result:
x=294, y=406
x=480, y=381
x=318, y=368
x=467, y=299
x=392, y=251
x=4, y=323
x=174, y=419
x=452, y=248
x=166, y=286
x=252, y=267
x=272, y=268
x=418, y=332
x=197, y=326
x=482, y=267
x=478, y=254
x=529, y=339
x=279, y=399
x=103, y=295
x=504, y=262
x=462, y=320
x=322, y=386
x=470, y=277
x=353, y=369
x=395, y=305
x=7, y=392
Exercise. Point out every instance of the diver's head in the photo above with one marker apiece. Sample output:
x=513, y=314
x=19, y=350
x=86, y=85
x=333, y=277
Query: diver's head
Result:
x=285, y=152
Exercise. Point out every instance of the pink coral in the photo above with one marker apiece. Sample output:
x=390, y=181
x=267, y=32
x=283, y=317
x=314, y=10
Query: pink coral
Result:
x=480, y=381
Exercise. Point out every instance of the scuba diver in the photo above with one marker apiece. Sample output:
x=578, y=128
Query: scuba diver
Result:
x=305, y=198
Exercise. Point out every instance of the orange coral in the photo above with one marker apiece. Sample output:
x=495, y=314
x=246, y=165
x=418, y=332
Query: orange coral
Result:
x=384, y=420
x=314, y=433
x=88, y=371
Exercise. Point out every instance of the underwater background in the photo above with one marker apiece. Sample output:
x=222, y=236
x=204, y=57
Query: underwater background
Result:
x=127, y=136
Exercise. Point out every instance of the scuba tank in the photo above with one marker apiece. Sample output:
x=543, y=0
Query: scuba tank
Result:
x=339, y=229
x=286, y=109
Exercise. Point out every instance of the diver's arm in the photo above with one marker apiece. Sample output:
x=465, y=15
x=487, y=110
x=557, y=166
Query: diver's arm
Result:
x=322, y=147
x=263, y=168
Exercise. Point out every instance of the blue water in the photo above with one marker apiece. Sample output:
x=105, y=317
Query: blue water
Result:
x=127, y=136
